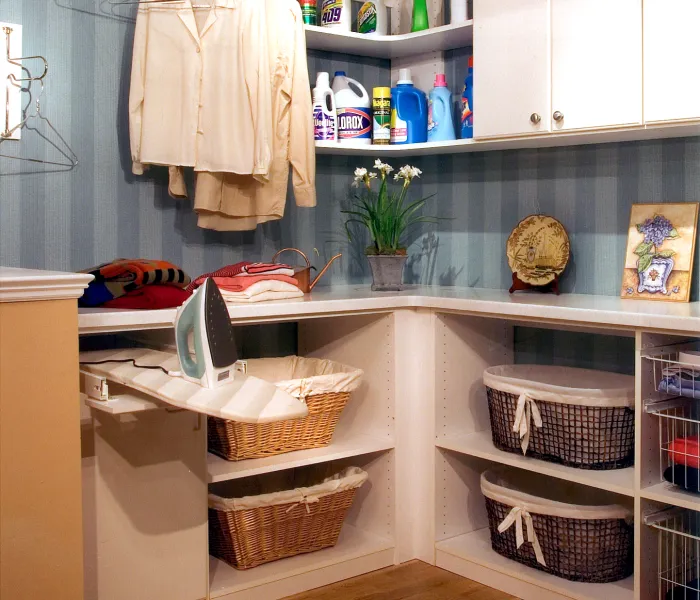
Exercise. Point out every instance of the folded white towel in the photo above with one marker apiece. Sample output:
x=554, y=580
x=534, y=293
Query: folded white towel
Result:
x=263, y=291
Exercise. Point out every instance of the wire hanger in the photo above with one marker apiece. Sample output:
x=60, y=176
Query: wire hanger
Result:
x=59, y=143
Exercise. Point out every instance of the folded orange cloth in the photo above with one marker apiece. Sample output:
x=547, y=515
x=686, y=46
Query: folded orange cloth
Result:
x=241, y=283
x=685, y=451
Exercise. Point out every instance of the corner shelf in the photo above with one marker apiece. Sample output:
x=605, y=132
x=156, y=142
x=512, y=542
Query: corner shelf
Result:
x=471, y=555
x=479, y=444
x=356, y=552
x=220, y=469
x=438, y=39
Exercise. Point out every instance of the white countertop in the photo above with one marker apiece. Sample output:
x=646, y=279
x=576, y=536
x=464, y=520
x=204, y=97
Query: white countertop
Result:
x=24, y=285
x=579, y=309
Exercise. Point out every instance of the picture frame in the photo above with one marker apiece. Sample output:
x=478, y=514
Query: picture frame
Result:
x=660, y=252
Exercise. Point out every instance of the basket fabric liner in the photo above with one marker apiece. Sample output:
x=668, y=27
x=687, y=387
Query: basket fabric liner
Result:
x=562, y=385
x=565, y=385
x=531, y=493
x=301, y=377
x=350, y=478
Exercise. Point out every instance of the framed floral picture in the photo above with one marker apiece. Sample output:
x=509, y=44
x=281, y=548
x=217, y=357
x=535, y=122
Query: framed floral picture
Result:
x=660, y=252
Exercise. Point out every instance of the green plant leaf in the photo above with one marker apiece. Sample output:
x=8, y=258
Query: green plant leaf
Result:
x=644, y=262
x=673, y=235
x=643, y=248
x=639, y=227
x=666, y=253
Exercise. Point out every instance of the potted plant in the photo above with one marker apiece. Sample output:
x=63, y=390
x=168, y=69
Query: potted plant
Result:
x=387, y=216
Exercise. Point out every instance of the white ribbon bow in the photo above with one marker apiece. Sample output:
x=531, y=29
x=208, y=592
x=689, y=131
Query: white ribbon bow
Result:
x=516, y=516
x=305, y=500
x=526, y=410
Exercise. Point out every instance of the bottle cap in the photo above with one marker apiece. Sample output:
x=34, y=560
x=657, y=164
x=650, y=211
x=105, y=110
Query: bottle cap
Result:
x=323, y=80
x=340, y=74
x=471, y=62
x=405, y=76
x=381, y=92
x=440, y=80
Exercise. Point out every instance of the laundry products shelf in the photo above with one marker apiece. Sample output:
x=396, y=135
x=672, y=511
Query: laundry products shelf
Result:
x=438, y=39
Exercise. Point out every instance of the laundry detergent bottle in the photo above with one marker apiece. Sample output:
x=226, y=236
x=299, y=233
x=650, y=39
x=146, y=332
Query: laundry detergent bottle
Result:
x=440, y=125
x=353, y=106
x=468, y=103
x=325, y=117
x=409, y=112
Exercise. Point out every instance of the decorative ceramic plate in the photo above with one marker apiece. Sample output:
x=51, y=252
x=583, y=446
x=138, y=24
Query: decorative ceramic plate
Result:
x=538, y=249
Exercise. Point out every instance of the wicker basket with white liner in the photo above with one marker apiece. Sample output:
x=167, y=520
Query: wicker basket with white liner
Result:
x=253, y=530
x=324, y=385
x=569, y=530
x=576, y=417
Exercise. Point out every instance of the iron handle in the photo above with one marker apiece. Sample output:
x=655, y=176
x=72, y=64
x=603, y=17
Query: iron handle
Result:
x=535, y=119
x=558, y=116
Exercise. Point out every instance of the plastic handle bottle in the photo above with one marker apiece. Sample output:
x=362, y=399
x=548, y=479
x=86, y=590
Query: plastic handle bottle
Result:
x=354, y=109
x=325, y=116
x=420, y=16
x=409, y=112
x=440, y=124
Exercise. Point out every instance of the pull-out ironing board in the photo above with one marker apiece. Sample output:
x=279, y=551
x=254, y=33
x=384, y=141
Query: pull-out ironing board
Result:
x=247, y=399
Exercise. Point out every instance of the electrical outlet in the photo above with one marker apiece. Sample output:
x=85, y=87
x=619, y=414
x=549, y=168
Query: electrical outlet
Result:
x=10, y=94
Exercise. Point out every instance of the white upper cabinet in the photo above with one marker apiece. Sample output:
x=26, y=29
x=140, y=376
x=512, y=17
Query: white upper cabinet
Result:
x=597, y=63
x=671, y=50
x=511, y=67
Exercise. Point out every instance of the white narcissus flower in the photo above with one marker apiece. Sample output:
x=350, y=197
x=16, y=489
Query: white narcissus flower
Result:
x=383, y=168
x=360, y=175
x=416, y=172
x=372, y=175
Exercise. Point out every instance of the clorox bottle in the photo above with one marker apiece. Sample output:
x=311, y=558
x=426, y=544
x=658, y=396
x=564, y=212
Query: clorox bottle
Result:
x=353, y=106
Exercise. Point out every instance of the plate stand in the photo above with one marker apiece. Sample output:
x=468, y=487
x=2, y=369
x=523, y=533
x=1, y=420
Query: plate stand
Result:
x=549, y=288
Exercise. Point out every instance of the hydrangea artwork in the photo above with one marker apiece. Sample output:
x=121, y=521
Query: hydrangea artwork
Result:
x=660, y=252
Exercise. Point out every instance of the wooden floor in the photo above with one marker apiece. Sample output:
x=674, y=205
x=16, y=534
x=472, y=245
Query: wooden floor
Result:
x=411, y=581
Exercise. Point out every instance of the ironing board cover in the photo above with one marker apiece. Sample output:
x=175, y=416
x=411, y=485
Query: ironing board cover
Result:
x=247, y=399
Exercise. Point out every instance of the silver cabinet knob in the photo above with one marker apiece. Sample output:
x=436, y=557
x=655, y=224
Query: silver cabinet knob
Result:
x=535, y=118
x=558, y=116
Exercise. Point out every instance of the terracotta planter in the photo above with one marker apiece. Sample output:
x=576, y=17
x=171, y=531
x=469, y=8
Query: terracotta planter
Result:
x=387, y=272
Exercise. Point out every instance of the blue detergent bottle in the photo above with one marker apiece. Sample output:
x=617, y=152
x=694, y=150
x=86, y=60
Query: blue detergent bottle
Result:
x=440, y=125
x=409, y=112
x=468, y=103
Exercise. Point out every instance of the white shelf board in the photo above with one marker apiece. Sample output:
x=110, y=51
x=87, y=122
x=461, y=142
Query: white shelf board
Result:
x=353, y=544
x=608, y=312
x=671, y=494
x=550, y=140
x=353, y=445
x=479, y=444
x=438, y=39
x=475, y=547
x=124, y=404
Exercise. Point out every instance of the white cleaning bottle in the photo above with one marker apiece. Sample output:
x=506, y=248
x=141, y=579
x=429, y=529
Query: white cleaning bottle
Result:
x=325, y=116
x=353, y=106
x=372, y=18
x=336, y=14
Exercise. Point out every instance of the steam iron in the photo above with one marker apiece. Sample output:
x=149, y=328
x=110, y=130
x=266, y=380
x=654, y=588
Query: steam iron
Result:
x=205, y=316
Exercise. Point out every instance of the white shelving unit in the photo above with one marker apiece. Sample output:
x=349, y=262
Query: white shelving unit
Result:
x=471, y=555
x=437, y=39
x=419, y=425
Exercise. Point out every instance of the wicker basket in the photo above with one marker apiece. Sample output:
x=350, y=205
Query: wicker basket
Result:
x=575, y=417
x=324, y=386
x=248, y=532
x=586, y=542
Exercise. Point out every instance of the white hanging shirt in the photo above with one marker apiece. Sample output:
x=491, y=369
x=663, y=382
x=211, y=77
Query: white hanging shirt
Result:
x=200, y=88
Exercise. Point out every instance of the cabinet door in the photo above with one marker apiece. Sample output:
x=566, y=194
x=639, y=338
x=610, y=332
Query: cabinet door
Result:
x=671, y=47
x=596, y=63
x=511, y=67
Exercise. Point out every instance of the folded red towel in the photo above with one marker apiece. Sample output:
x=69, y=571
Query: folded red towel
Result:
x=242, y=269
x=151, y=297
x=685, y=451
x=240, y=284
